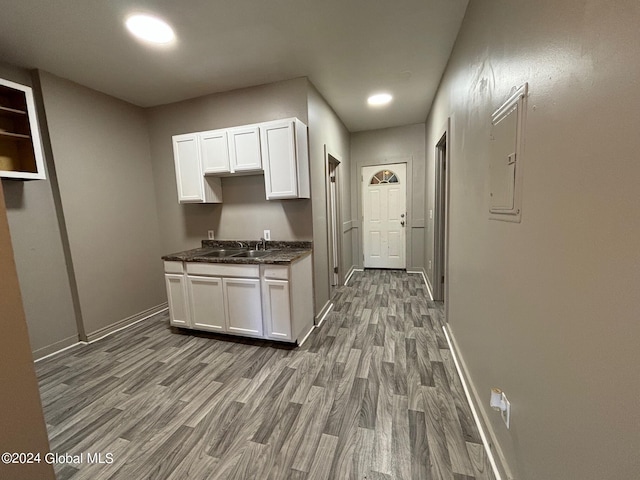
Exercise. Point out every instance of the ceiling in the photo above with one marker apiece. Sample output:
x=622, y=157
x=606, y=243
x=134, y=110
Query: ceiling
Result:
x=348, y=49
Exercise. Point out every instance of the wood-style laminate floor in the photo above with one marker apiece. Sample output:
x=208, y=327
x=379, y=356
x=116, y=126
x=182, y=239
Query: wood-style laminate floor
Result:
x=372, y=394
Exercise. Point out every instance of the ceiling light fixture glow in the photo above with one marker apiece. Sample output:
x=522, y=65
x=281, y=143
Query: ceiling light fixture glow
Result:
x=379, y=99
x=150, y=29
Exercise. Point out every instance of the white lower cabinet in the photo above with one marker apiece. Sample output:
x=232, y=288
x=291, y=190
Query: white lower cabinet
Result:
x=243, y=305
x=207, y=303
x=277, y=309
x=267, y=301
x=177, y=298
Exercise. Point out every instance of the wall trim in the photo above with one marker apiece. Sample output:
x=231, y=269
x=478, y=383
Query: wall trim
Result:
x=56, y=348
x=348, y=225
x=500, y=468
x=351, y=271
x=304, y=339
x=418, y=223
x=126, y=322
x=425, y=279
x=323, y=313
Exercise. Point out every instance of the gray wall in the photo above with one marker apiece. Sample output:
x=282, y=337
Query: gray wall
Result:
x=326, y=128
x=101, y=154
x=547, y=308
x=245, y=212
x=22, y=421
x=39, y=255
x=387, y=146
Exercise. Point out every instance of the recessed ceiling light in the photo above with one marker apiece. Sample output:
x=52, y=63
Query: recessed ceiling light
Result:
x=379, y=99
x=150, y=29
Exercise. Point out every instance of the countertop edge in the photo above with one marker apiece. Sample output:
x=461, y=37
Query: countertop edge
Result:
x=276, y=258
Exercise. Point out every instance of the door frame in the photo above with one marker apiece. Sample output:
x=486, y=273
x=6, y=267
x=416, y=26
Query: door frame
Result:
x=410, y=221
x=333, y=250
x=441, y=215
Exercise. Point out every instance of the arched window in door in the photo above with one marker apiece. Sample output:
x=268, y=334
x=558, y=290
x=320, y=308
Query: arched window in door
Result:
x=384, y=176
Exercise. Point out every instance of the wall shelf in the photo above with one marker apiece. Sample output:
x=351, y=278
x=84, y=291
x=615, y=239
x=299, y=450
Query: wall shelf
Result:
x=20, y=148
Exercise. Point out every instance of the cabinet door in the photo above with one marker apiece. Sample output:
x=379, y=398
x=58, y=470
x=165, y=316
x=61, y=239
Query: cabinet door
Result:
x=177, y=297
x=20, y=146
x=244, y=306
x=207, y=303
x=277, y=310
x=188, y=170
x=214, y=152
x=244, y=148
x=279, y=155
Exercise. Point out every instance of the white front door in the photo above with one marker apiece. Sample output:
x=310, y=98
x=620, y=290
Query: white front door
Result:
x=385, y=215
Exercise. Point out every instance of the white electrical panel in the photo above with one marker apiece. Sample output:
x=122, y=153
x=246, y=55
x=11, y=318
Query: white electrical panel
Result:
x=505, y=161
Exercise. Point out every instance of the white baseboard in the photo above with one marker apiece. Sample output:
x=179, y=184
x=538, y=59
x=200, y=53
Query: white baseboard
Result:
x=429, y=286
x=126, y=322
x=425, y=279
x=352, y=270
x=116, y=327
x=500, y=468
x=323, y=313
x=304, y=339
x=56, y=348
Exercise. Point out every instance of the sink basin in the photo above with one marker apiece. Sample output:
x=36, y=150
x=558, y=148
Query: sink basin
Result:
x=221, y=253
x=252, y=253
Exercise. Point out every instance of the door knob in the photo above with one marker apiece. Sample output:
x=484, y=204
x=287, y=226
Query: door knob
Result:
x=402, y=215
x=402, y=223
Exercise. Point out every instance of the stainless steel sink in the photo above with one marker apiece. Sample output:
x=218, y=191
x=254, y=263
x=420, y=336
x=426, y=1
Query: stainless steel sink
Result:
x=252, y=253
x=221, y=253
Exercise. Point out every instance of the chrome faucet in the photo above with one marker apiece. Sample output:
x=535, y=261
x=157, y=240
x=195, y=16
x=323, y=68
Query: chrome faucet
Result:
x=242, y=245
x=263, y=242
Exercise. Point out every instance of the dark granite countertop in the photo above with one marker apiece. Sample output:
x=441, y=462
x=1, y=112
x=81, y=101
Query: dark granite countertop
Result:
x=282, y=253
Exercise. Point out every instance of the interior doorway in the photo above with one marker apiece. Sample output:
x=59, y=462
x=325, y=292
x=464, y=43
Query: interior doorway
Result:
x=441, y=220
x=333, y=221
x=384, y=203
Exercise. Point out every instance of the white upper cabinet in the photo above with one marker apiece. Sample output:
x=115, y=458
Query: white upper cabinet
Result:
x=193, y=187
x=279, y=148
x=214, y=152
x=286, y=159
x=188, y=174
x=244, y=148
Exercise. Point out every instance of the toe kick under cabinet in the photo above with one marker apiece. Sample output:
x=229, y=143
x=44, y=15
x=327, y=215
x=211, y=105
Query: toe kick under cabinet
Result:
x=263, y=301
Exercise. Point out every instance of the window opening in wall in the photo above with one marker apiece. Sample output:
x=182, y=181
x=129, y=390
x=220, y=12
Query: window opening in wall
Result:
x=384, y=176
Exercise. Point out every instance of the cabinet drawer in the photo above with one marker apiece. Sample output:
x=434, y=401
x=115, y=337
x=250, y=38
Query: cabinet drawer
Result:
x=173, y=267
x=279, y=272
x=223, y=270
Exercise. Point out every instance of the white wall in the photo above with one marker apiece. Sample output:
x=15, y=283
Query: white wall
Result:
x=389, y=145
x=547, y=308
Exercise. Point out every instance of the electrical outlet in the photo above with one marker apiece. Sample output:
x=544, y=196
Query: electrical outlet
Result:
x=430, y=214
x=267, y=235
x=506, y=413
x=429, y=264
x=210, y=235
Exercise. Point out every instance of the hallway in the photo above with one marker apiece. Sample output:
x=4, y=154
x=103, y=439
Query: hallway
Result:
x=372, y=394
